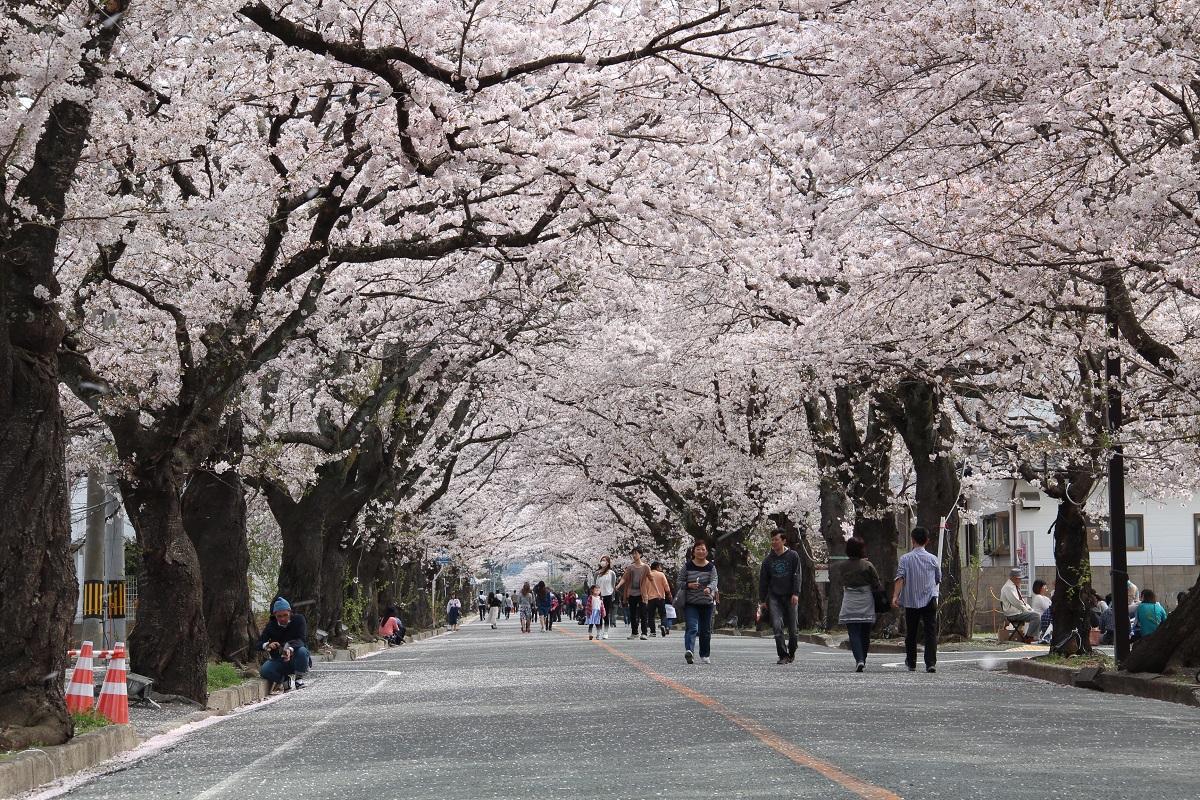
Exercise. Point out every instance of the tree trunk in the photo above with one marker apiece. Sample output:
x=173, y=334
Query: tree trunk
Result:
x=331, y=586
x=914, y=408
x=833, y=518
x=214, y=516
x=37, y=584
x=1176, y=643
x=37, y=587
x=1073, y=569
x=169, y=642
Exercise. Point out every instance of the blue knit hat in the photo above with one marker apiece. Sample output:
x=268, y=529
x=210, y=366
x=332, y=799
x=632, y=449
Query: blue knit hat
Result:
x=281, y=605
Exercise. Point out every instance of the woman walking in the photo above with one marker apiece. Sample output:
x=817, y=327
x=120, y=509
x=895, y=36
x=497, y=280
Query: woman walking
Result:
x=544, y=600
x=493, y=604
x=594, y=611
x=606, y=580
x=525, y=606
x=860, y=582
x=697, y=593
x=453, y=612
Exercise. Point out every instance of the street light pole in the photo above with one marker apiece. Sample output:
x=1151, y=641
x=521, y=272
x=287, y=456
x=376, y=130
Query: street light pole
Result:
x=1116, y=488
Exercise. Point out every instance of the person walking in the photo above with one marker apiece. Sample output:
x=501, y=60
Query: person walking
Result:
x=493, y=603
x=481, y=602
x=545, y=599
x=594, y=609
x=656, y=591
x=508, y=605
x=453, y=613
x=916, y=591
x=606, y=579
x=630, y=587
x=525, y=606
x=860, y=582
x=697, y=593
x=779, y=593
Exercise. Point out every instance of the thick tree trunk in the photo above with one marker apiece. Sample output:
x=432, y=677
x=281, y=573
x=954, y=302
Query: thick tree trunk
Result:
x=1073, y=569
x=833, y=519
x=214, y=516
x=37, y=583
x=1176, y=643
x=331, y=586
x=738, y=583
x=169, y=641
x=914, y=409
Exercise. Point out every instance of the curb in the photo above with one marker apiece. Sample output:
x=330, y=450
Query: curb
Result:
x=1147, y=685
x=31, y=768
x=359, y=650
x=223, y=701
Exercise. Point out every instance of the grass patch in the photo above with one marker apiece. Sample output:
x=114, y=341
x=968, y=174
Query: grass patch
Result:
x=222, y=676
x=88, y=721
x=1088, y=660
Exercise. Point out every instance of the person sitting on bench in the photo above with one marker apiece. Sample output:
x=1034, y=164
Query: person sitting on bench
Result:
x=1016, y=610
x=283, y=639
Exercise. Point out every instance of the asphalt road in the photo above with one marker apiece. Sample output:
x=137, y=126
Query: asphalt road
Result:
x=485, y=715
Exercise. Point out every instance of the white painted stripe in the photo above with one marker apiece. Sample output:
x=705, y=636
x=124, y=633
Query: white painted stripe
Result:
x=291, y=744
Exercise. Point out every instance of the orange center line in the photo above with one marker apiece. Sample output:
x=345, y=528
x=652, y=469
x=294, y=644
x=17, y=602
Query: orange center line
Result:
x=797, y=755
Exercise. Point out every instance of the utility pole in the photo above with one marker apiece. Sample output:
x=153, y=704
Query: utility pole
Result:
x=93, y=561
x=1116, y=487
x=114, y=571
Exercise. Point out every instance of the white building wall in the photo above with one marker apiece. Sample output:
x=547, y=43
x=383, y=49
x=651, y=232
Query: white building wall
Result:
x=1170, y=526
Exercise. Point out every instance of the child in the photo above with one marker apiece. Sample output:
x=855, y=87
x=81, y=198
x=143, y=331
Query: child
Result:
x=669, y=615
x=1150, y=613
x=595, y=612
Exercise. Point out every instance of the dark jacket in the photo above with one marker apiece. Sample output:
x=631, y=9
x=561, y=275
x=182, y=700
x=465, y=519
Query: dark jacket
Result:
x=294, y=635
x=780, y=574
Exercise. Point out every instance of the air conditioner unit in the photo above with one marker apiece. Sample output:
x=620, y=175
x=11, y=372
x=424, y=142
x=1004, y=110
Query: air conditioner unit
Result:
x=1030, y=500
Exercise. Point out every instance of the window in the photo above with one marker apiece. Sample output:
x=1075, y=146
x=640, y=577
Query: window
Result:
x=996, y=538
x=1135, y=535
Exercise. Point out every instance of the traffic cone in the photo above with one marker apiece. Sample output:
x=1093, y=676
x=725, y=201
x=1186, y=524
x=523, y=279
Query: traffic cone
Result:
x=113, y=702
x=79, y=690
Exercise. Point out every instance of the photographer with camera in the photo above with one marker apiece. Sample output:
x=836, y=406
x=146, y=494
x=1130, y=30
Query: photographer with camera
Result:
x=283, y=639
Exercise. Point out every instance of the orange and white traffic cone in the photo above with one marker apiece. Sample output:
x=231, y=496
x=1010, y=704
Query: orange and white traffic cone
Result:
x=113, y=702
x=79, y=690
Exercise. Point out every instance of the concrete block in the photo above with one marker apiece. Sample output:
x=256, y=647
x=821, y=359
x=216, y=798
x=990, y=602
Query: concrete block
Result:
x=1054, y=673
x=223, y=701
x=1088, y=678
x=1150, y=686
x=29, y=769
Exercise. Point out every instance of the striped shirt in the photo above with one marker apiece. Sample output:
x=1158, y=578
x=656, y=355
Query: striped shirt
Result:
x=705, y=576
x=922, y=573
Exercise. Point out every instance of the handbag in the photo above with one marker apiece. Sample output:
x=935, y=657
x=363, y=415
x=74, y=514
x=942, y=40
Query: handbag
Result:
x=882, y=603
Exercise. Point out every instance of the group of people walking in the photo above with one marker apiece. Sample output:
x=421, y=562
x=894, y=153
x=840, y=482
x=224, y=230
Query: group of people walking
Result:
x=652, y=604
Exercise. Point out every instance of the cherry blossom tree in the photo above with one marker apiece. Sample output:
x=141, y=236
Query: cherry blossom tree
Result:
x=51, y=61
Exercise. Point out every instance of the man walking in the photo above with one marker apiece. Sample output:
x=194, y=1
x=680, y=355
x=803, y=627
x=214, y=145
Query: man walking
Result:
x=655, y=591
x=631, y=586
x=779, y=593
x=1016, y=610
x=916, y=590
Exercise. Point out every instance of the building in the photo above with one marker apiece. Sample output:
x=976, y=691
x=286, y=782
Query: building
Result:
x=1016, y=524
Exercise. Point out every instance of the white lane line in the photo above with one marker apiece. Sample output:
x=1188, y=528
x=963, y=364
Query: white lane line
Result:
x=956, y=661
x=291, y=744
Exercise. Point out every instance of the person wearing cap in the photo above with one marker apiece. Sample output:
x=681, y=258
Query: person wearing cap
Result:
x=283, y=640
x=1016, y=610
